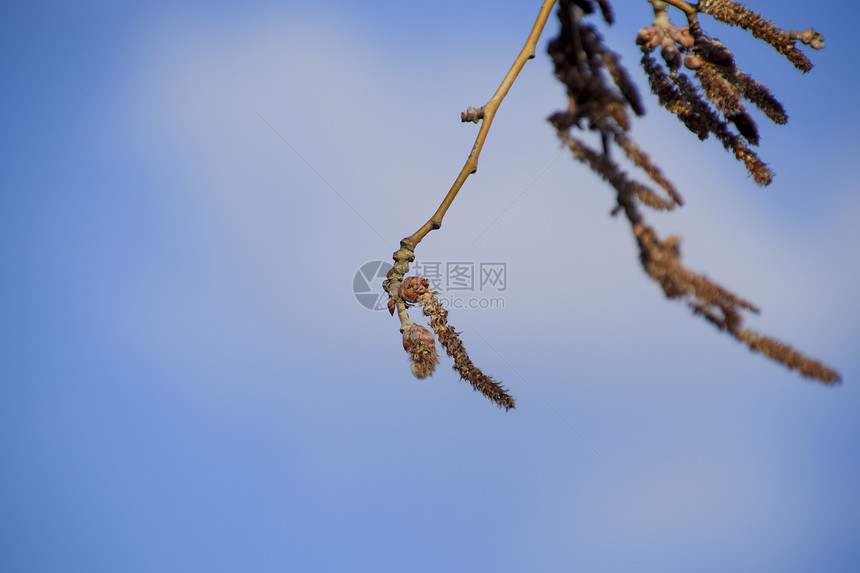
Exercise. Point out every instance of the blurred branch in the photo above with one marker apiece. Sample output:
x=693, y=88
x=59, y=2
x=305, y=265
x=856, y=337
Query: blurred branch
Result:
x=601, y=100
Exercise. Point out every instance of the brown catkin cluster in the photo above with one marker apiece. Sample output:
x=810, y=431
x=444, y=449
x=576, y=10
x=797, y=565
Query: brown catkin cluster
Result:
x=600, y=94
x=736, y=14
x=761, y=97
x=680, y=96
x=716, y=110
x=415, y=289
x=587, y=6
x=708, y=98
x=715, y=106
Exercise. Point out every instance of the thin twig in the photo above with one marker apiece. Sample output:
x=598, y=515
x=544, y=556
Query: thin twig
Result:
x=486, y=113
x=406, y=253
x=685, y=7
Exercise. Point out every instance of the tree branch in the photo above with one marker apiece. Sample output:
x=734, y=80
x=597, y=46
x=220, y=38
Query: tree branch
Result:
x=406, y=253
x=486, y=115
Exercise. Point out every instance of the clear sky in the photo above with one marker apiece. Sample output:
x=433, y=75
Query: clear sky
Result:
x=187, y=190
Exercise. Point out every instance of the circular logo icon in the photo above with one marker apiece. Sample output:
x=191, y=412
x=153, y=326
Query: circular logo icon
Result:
x=367, y=285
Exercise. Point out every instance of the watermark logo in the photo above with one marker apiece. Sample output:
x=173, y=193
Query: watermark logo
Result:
x=451, y=278
x=367, y=285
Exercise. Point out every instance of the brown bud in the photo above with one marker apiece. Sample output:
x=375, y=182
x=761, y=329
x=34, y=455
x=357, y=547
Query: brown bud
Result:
x=812, y=38
x=649, y=38
x=417, y=334
x=391, y=306
x=692, y=62
x=671, y=55
x=681, y=35
x=412, y=288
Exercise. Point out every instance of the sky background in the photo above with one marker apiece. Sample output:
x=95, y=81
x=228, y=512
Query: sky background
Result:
x=189, y=384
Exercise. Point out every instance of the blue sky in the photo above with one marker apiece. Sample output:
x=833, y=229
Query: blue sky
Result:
x=188, y=383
